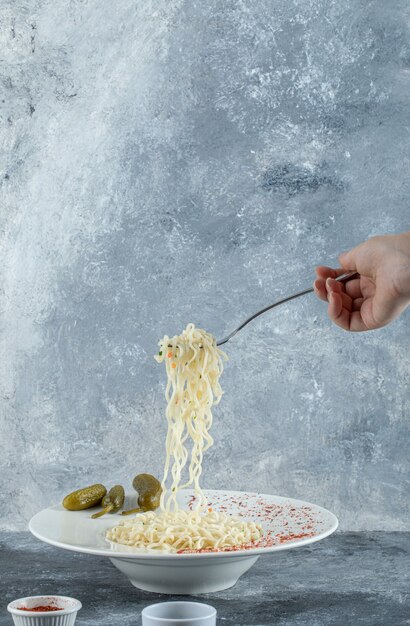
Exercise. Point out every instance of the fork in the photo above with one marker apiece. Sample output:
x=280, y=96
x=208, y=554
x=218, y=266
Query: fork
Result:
x=344, y=278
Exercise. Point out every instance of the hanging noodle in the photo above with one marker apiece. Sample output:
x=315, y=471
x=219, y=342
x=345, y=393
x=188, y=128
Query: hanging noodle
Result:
x=194, y=364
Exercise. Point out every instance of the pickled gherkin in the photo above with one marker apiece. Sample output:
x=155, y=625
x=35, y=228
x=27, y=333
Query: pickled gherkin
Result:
x=84, y=498
x=112, y=501
x=149, y=493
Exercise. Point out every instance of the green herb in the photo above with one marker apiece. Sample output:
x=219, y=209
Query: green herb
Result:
x=160, y=353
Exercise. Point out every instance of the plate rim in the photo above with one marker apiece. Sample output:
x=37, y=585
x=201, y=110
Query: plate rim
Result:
x=152, y=556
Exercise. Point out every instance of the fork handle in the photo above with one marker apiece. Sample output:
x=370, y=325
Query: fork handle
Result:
x=344, y=278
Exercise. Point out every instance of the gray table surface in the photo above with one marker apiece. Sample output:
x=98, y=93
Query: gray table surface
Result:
x=349, y=578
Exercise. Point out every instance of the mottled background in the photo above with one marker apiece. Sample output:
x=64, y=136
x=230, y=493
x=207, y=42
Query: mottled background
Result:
x=166, y=162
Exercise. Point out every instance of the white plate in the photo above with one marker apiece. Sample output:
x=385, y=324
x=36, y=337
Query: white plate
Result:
x=287, y=523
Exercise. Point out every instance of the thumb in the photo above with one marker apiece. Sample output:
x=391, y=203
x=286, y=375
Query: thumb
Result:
x=348, y=260
x=364, y=258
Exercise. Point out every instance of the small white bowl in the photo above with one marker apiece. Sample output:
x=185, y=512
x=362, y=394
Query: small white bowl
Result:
x=65, y=617
x=179, y=614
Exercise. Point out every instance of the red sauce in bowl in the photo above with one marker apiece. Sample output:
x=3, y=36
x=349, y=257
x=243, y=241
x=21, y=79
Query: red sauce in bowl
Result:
x=40, y=609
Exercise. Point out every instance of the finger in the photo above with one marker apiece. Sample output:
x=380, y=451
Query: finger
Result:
x=336, y=312
x=319, y=287
x=357, y=304
x=353, y=288
x=333, y=286
x=323, y=271
x=357, y=324
x=324, y=288
x=342, y=317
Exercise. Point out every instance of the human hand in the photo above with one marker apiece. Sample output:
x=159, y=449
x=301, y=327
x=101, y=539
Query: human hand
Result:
x=379, y=295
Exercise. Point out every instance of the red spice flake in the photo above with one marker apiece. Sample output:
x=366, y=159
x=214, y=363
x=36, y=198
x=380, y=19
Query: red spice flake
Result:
x=191, y=502
x=40, y=609
x=293, y=536
x=285, y=521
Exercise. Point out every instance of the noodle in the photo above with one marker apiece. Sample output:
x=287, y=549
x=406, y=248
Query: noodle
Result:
x=193, y=364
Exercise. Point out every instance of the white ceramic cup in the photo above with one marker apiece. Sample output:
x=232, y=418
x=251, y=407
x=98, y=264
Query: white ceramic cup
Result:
x=179, y=614
x=65, y=617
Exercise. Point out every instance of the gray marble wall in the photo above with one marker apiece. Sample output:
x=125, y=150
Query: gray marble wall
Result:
x=166, y=162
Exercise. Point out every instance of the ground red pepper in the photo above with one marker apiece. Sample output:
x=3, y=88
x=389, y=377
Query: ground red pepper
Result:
x=40, y=609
